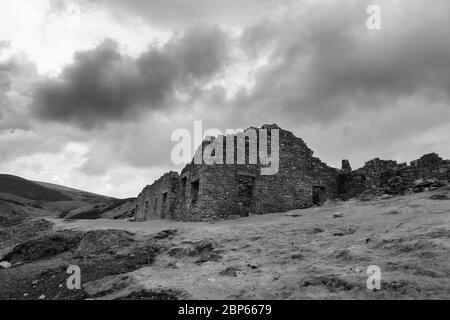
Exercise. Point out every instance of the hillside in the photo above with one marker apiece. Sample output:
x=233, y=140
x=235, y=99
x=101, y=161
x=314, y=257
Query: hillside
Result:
x=29, y=190
x=75, y=194
x=110, y=209
x=10, y=214
x=21, y=198
x=302, y=254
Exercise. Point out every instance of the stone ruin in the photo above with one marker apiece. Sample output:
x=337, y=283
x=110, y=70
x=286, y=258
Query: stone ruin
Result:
x=388, y=176
x=205, y=192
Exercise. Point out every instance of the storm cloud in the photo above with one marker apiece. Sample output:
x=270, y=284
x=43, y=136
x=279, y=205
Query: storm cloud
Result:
x=181, y=13
x=103, y=84
x=324, y=64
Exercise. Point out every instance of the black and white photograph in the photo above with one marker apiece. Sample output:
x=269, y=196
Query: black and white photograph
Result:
x=240, y=151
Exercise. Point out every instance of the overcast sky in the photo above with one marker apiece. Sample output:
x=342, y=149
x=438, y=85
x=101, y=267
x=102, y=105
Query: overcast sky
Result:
x=91, y=90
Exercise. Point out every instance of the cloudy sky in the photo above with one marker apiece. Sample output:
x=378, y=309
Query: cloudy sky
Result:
x=91, y=90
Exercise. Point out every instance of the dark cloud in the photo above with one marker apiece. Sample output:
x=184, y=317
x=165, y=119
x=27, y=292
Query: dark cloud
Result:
x=325, y=63
x=102, y=84
x=179, y=13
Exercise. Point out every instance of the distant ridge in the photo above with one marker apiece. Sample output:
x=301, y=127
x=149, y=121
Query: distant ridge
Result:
x=73, y=193
x=30, y=190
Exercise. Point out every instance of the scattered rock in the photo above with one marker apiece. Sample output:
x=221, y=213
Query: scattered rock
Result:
x=338, y=215
x=202, y=247
x=317, y=230
x=5, y=264
x=204, y=257
x=230, y=271
x=41, y=297
x=174, y=265
x=392, y=212
x=205, y=249
x=344, y=232
x=440, y=197
x=166, y=233
x=44, y=246
x=102, y=241
x=293, y=214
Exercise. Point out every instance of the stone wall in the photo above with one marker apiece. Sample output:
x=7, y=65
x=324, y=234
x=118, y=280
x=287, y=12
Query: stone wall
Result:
x=160, y=199
x=376, y=174
x=203, y=191
x=210, y=191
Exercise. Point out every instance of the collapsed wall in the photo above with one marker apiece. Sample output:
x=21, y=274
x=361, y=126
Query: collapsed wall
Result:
x=378, y=174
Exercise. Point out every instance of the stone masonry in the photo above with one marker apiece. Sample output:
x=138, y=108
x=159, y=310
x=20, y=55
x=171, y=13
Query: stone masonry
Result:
x=376, y=174
x=203, y=192
x=210, y=191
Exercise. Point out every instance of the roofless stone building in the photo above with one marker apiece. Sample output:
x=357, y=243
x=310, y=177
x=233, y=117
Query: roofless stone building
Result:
x=203, y=192
x=208, y=191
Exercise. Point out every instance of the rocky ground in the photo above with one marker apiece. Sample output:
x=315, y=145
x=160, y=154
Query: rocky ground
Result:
x=315, y=253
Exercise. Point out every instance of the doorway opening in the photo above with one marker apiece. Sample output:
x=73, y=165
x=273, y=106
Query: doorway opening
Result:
x=318, y=195
x=245, y=194
x=163, y=204
x=195, y=186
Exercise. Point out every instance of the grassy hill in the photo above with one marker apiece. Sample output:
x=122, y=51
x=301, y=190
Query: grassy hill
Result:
x=29, y=190
x=21, y=198
x=75, y=194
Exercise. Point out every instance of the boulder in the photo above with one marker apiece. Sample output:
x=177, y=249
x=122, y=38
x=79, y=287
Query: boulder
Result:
x=166, y=234
x=45, y=246
x=338, y=215
x=230, y=272
x=5, y=264
x=103, y=241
